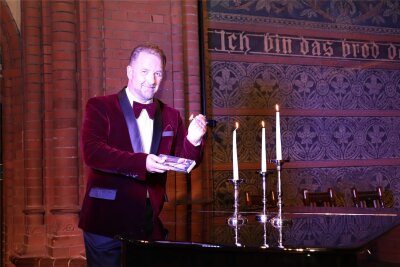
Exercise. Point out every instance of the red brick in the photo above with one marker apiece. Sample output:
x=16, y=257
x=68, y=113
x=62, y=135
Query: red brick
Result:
x=63, y=26
x=146, y=18
x=119, y=15
x=59, y=70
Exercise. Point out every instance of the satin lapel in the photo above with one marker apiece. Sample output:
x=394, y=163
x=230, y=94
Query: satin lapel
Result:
x=130, y=120
x=157, y=129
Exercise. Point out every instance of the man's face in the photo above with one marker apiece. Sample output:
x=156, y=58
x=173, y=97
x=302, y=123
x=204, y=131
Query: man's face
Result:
x=145, y=76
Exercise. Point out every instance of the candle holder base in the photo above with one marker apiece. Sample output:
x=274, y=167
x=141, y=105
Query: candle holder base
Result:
x=263, y=218
x=279, y=222
x=236, y=220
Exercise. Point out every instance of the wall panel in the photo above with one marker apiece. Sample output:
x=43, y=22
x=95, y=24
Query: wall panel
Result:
x=333, y=68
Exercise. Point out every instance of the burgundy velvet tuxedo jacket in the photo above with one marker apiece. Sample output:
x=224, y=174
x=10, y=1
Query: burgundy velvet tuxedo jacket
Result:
x=117, y=180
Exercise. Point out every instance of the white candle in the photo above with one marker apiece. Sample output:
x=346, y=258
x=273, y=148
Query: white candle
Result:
x=263, y=151
x=278, y=135
x=234, y=155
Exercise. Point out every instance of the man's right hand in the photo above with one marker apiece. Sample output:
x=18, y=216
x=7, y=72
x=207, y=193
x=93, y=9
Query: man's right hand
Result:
x=154, y=163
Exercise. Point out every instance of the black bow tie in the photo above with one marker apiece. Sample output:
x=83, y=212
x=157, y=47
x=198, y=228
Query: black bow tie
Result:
x=150, y=108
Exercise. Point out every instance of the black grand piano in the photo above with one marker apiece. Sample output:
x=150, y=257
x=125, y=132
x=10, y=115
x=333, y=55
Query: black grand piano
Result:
x=194, y=235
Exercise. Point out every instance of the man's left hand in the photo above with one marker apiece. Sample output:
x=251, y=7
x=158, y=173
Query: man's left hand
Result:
x=197, y=129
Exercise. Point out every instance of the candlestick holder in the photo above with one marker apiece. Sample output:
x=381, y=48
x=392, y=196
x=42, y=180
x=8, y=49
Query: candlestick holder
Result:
x=262, y=217
x=279, y=220
x=236, y=219
x=236, y=235
x=280, y=236
x=265, y=244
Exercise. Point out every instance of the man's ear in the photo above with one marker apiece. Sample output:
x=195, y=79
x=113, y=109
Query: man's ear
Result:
x=129, y=71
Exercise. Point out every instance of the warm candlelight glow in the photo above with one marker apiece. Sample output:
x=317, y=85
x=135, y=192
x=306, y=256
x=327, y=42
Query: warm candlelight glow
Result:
x=234, y=154
x=277, y=108
x=263, y=149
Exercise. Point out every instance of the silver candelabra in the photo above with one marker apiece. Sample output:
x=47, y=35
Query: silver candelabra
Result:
x=279, y=220
x=236, y=219
x=262, y=217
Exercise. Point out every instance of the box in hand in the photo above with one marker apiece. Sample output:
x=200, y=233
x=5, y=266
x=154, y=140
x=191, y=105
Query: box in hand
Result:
x=178, y=164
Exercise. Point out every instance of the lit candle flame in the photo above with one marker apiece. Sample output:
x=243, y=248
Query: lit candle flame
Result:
x=191, y=117
x=237, y=125
x=277, y=108
x=262, y=124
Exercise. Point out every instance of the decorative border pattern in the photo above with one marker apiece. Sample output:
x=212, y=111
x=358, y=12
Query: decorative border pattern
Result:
x=374, y=16
x=260, y=85
x=257, y=20
x=329, y=113
x=310, y=138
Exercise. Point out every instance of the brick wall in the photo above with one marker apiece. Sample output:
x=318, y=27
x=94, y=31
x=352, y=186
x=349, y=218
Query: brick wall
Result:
x=12, y=130
x=67, y=52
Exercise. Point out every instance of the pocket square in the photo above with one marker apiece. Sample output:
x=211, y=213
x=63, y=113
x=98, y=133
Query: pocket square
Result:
x=168, y=133
x=103, y=193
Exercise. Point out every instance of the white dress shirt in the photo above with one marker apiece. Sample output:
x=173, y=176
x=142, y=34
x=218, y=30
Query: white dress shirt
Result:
x=145, y=124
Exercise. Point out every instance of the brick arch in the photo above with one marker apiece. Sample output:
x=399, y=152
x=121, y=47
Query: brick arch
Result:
x=12, y=131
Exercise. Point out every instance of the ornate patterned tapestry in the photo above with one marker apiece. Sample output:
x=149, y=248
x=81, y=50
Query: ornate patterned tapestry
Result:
x=334, y=69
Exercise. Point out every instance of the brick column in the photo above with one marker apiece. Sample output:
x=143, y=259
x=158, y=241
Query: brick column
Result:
x=90, y=63
x=61, y=131
x=178, y=73
x=192, y=84
x=91, y=49
x=95, y=36
x=33, y=160
x=177, y=60
x=191, y=48
x=13, y=224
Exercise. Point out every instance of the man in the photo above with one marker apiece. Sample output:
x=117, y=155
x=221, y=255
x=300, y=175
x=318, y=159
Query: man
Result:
x=121, y=145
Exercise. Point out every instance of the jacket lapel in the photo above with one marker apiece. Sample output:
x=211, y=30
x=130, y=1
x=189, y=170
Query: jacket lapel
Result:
x=130, y=120
x=157, y=129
